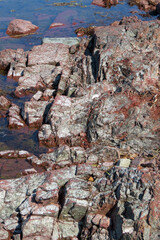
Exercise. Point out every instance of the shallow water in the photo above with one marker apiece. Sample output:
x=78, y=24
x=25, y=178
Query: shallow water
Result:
x=43, y=13
x=79, y=13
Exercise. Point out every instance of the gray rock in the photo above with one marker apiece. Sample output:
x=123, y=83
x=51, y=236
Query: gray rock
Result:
x=70, y=41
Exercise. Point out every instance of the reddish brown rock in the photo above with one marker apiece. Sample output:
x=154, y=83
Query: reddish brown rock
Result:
x=34, y=112
x=154, y=214
x=55, y=24
x=6, y=57
x=15, y=120
x=48, y=53
x=145, y=5
x=104, y=3
x=105, y=222
x=4, y=103
x=20, y=27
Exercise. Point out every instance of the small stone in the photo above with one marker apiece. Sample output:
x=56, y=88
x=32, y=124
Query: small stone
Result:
x=91, y=179
x=53, y=25
x=124, y=162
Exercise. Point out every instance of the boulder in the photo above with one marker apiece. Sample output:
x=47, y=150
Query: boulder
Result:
x=104, y=3
x=20, y=27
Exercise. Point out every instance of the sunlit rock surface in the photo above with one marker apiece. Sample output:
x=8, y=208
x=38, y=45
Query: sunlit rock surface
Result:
x=96, y=107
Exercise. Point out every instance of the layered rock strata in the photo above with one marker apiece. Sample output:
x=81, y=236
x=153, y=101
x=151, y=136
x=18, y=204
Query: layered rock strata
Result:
x=96, y=106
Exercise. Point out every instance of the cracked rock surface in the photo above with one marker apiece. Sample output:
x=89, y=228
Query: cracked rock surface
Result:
x=97, y=109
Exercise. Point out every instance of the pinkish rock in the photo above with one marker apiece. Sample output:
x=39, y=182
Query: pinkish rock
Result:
x=4, y=235
x=14, y=154
x=96, y=219
x=105, y=222
x=14, y=118
x=55, y=24
x=99, y=3
x=145, y=5
x=39, y=226
x=6, y=57
x=47, y=193
x=34, y=112
x=104, y=3
x=20, y=27
x=18, y=64
x=36, y=77
x=4, y=103
x=29, y=171
x=49, y=53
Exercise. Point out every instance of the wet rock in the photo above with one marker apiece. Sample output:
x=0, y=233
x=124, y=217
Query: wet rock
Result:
x=104, y=3
x=20, y=27
x=53, y=25
x=145, y=5
x=18, y=64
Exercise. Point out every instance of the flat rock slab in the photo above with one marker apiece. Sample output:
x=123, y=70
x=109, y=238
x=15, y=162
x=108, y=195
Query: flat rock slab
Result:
x=66, y=41
x=48, y=53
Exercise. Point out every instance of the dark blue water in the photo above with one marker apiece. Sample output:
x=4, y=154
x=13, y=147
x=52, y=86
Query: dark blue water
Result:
x=80, y=13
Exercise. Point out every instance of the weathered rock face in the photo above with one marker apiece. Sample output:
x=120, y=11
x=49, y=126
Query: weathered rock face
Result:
x=19, y=27
x=96, y=106
x=116, y=204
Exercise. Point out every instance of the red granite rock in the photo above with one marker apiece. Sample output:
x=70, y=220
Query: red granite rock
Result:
x=104, y=3
x=20, y=27
x=48, y=53
x=6, y=57
x=4, y=103
x=145, y=5
x=14, y=119
x=55, y=24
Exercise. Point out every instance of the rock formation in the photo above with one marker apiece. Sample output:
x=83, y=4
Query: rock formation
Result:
x=96, y=107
